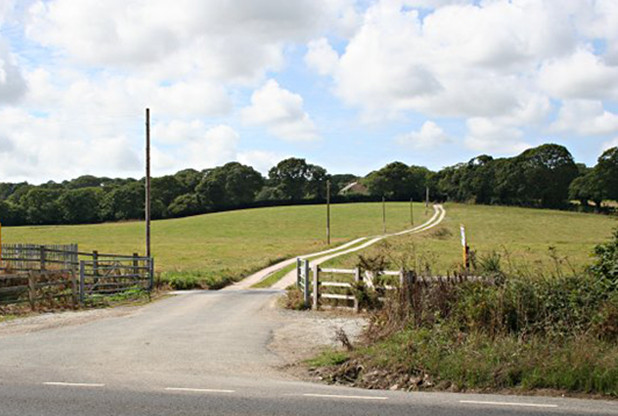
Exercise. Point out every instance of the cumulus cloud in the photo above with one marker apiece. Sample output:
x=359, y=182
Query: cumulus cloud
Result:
x=486, y=135
x=232, y=40
x=321, y=56
x=12, y=83
x=181, y=144
x=281, y=112
x=41, y=148
x=610, y=143
x=429, y=136
x=585, y=117
x=581, y=75
x=459, y=60
x=261, y=160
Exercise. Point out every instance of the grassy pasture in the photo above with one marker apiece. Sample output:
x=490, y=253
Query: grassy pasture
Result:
x=229, y=244
x=521, y=235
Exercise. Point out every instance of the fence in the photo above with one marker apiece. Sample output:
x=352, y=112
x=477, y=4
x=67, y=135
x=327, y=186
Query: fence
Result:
x=86, y=274
x=346, y=289
x=30, y=257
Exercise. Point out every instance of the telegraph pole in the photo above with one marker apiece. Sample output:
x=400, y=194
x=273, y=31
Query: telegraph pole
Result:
x=384, y=214
x=328, y=212
x=147, y=202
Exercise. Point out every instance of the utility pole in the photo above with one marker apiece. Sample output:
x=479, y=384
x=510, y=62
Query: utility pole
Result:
x=384, y=214
x=411, y=211
x=147, y=202
x=328, y=212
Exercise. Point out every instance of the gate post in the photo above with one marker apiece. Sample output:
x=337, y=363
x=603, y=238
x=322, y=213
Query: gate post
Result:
x=42, y=257
x=357, y=280
x=306, y=284
x=316, y=286
x=298, y=276
x=151, y=273
x=82, y=277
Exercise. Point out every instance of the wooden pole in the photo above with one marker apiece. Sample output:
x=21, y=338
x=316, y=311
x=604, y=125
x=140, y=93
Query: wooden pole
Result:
x=384, y=215
x=316, y=286
x=411, y=211
x=328, y=212
x=147, y=202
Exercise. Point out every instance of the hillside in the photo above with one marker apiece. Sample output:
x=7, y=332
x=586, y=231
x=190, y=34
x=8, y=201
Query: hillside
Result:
x=520, y=235
x=226, y=244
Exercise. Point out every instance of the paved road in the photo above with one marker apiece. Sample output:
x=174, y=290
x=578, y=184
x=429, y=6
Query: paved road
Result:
x=205, y=353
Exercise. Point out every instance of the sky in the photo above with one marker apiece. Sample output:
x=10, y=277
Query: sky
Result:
x=349, y=85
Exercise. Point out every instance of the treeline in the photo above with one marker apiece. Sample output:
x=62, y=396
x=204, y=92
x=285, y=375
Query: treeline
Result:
x=546, y=176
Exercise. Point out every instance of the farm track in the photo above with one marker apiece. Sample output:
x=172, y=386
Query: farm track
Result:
x=350, y=247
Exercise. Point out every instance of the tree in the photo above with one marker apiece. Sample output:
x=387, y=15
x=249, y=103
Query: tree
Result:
x=548, y=171
x=606, y=172
x=124, y=202
x=233, y=184
x=187, y=204
x=164, y=190
x=41, y=206
x=398, y=181
x=81, y=205
x=295, y=179
x=587, y=188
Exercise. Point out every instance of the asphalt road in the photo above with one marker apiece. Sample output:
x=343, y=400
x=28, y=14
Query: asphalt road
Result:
x=205, y=353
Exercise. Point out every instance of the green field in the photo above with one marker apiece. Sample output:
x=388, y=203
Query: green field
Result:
x=232, y=244
x=522, y=236
x=227, y=243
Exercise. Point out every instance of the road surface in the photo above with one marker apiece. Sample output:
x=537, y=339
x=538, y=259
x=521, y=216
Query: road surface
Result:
x=204, y=353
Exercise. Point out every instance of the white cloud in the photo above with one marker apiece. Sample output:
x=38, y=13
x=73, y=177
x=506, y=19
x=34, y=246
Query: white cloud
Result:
x=609, y=144
x=261, y=160
x=429, y=136
x=281, y=112
x=581, y=75
x=586, y=118
x=321, y=56
x=12, y=83
x=486, y=135
x=181, y=144
x=460, y=60
x=232, y=40
x=41, y=148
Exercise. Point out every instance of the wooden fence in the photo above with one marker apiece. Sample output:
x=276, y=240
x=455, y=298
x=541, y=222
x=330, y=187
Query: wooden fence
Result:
x=47, y=288
x=40, y=274
x=31, y=257
x=340, y=285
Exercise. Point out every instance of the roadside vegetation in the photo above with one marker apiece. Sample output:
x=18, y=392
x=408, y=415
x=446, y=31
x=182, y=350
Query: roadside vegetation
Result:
x=519, y=329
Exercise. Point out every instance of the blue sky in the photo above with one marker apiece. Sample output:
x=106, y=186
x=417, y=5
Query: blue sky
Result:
x=349, y=85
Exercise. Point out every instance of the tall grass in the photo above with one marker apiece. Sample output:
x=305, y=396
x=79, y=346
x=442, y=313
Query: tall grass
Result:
x=556, y=329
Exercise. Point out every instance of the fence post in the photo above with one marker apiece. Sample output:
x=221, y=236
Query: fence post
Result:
x=95, y=263
x=32, y=290
x=316, y=286
x=306, y=283
x=151, y=272
x=357, y=280
x=42, y=257
x=298, y=263
x=74, y=292
x=136, y=270
x=82, y=277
